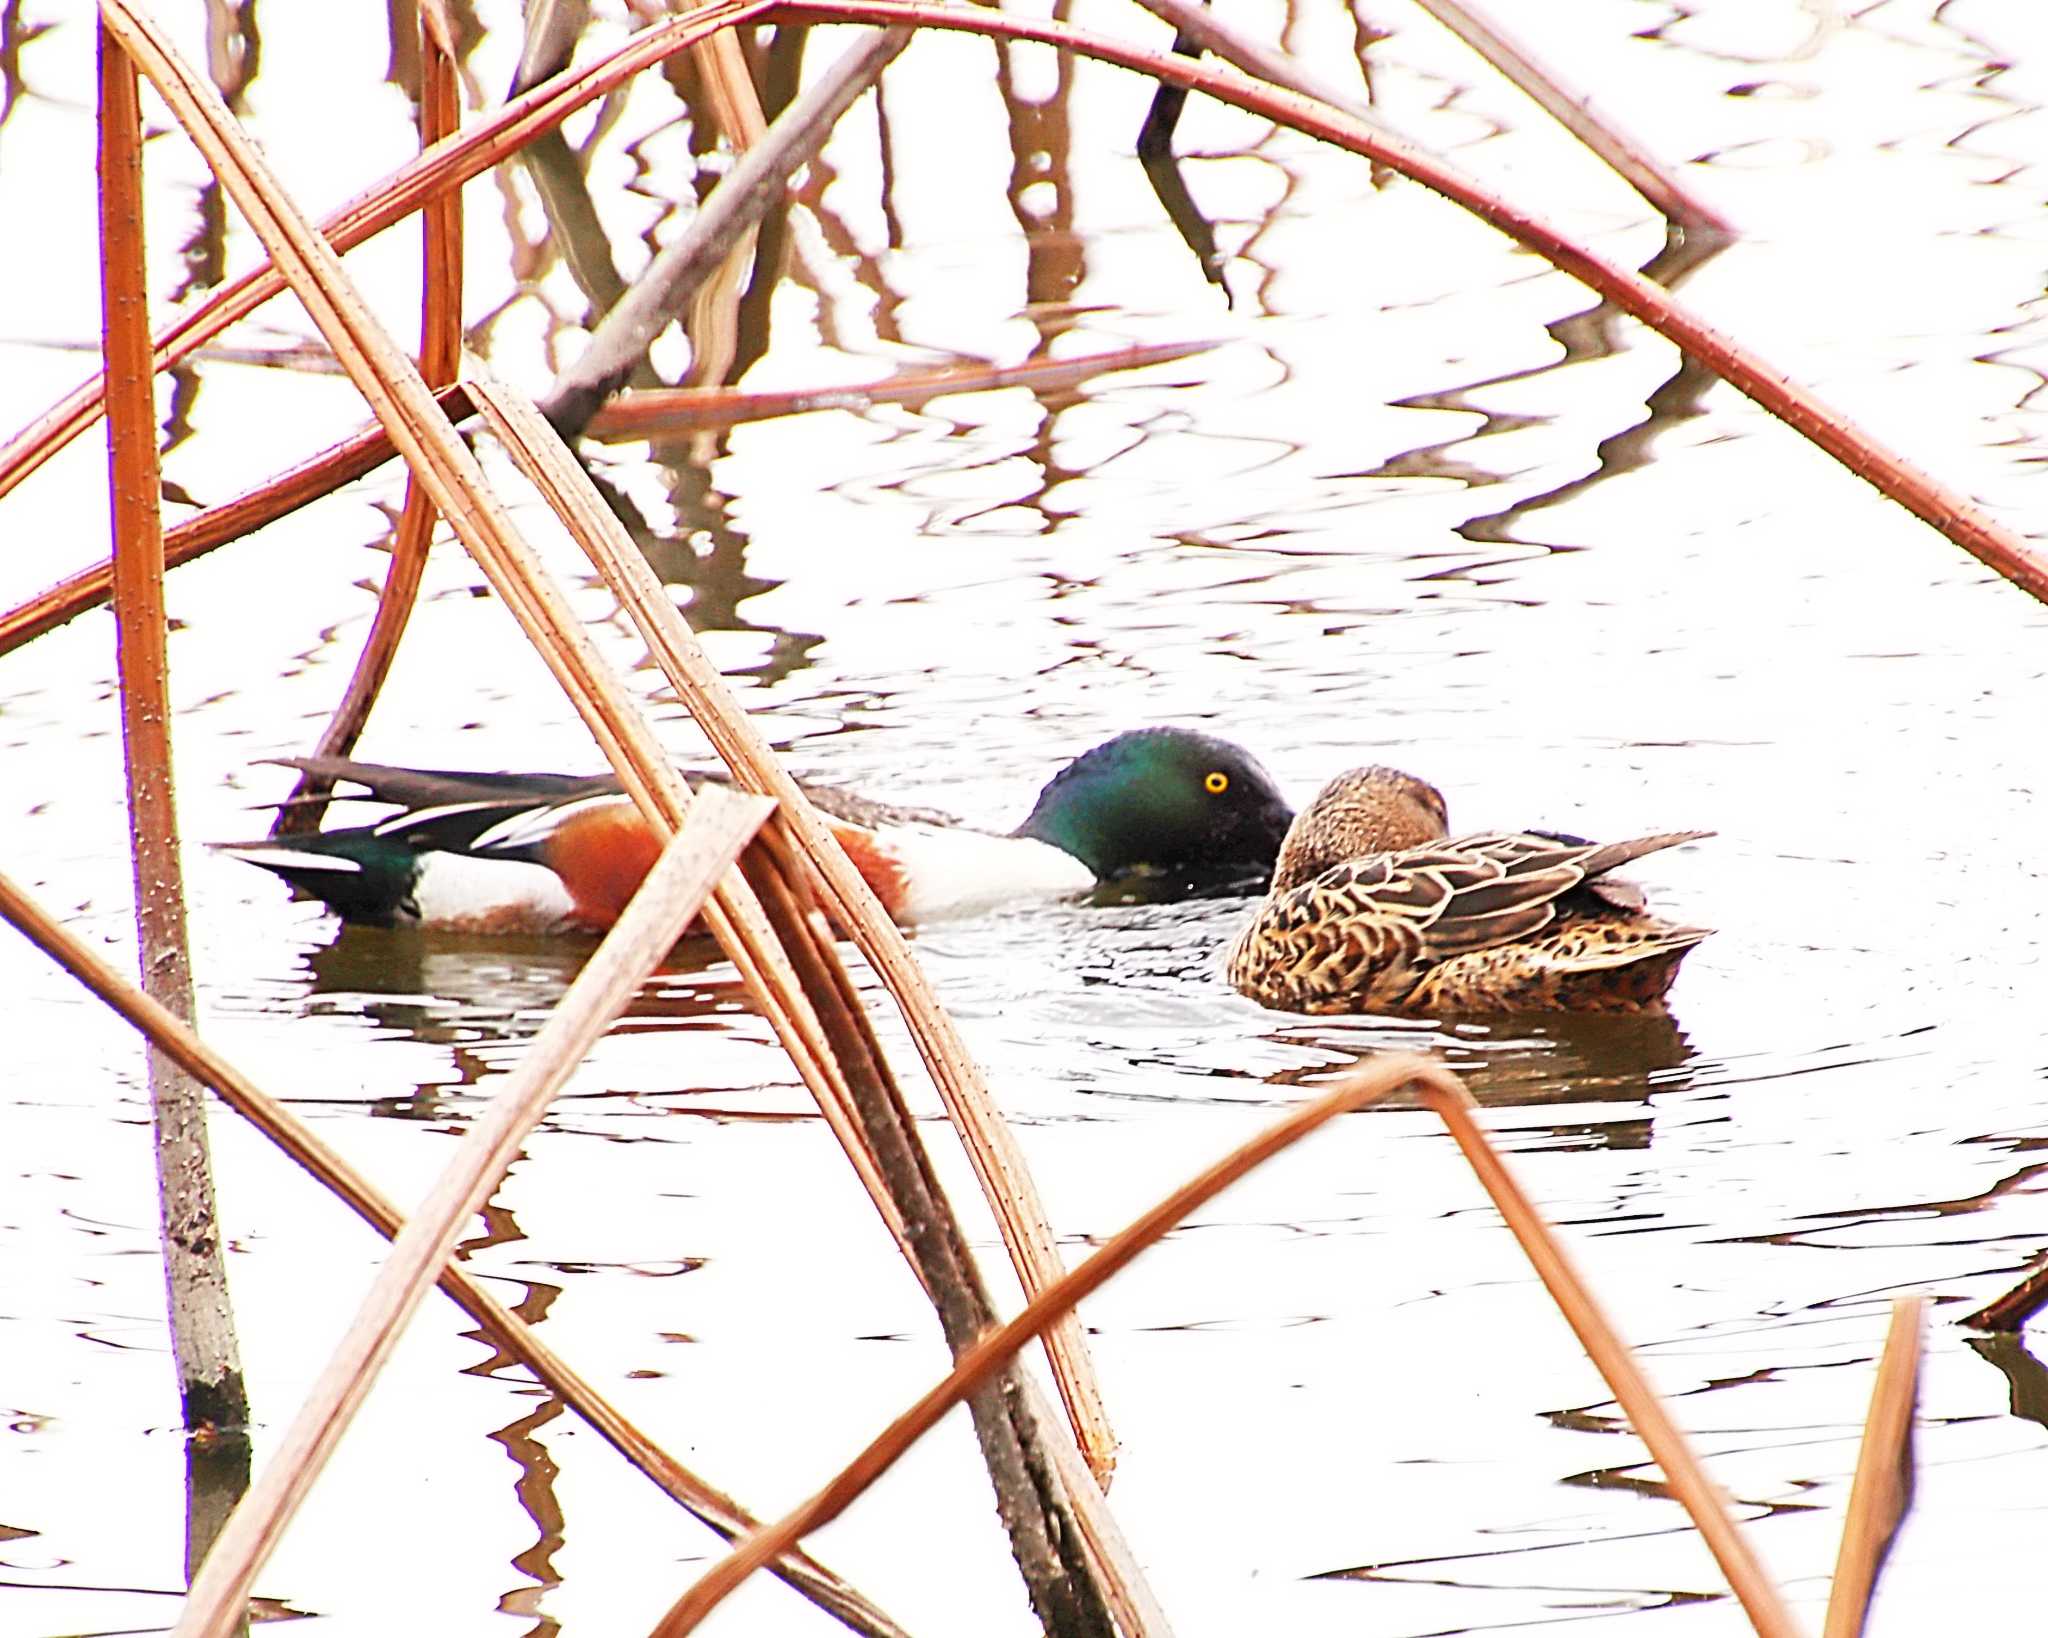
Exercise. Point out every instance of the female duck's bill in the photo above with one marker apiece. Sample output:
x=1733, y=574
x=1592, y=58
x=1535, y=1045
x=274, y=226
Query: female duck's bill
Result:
x=1375, y=909
x=551, y=853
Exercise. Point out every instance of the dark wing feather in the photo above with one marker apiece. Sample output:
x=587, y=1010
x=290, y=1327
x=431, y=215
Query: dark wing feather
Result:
x=437, y=787
x=1478, y=892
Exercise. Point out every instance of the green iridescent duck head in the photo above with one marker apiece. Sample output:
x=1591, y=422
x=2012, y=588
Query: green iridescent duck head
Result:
x=1164, y=801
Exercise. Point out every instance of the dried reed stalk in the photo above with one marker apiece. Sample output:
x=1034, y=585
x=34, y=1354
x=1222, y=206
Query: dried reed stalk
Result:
x=736, y=204
x=505, y=1329
x=1948, y=510
x=440, y=356
x=1883, y=1486
x=651, y=412
x=999, y=1165
x=1385, y=1076
x=1668, y=1447
x=487, y=142
x=1074, y=1491
x=1620, y=152
x=682, y=879
x=203, y=1346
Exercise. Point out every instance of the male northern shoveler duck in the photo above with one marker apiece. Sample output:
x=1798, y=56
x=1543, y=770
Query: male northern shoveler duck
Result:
x=552, y=853
x=1376, y=908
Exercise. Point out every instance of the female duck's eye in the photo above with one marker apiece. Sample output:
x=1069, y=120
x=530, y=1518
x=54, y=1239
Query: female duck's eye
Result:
x=1216, y=782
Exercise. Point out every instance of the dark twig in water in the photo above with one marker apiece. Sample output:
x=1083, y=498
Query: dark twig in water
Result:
x=1162, y=169
x=2012, y=1309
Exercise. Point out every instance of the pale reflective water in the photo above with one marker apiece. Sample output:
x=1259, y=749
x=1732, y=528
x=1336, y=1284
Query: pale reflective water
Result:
x=1418, y=505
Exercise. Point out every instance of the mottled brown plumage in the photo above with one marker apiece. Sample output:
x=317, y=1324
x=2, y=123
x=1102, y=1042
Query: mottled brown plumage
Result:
x=1375, y=909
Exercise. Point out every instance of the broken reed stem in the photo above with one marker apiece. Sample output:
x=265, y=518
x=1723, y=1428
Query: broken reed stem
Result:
x=1383, y=1077
x=1137, y=1610
x=203, y=1346
x=1686, y=1479
x=1883, y=1486
x=505, y=1329
x=1945, y=509
x=998, y=1163
x=440, y=357
x=1621, y=153
x=2010, y=1310
x=736, y=204
x=319, y=475
x=666, y=902
x=446, y=165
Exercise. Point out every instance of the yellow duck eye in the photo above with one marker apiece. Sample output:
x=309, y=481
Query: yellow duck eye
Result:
x=1216, y=782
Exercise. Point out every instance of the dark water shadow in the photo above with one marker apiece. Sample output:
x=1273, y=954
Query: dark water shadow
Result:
x=534, y=1466
x=1514, y=1062
x=482, y=998
x=1590, y=334
x=2025, y=1377
x=2022, y=1180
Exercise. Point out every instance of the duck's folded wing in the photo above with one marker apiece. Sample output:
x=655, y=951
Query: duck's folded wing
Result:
x=439, y=787
x=1506, y=887
x=443, y=788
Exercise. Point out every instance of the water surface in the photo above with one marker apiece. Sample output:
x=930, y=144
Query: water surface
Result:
x=1420, y=504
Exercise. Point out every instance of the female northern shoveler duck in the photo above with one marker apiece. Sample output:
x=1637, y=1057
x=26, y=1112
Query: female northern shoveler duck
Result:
x=1375, y=908
x=551, y=853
